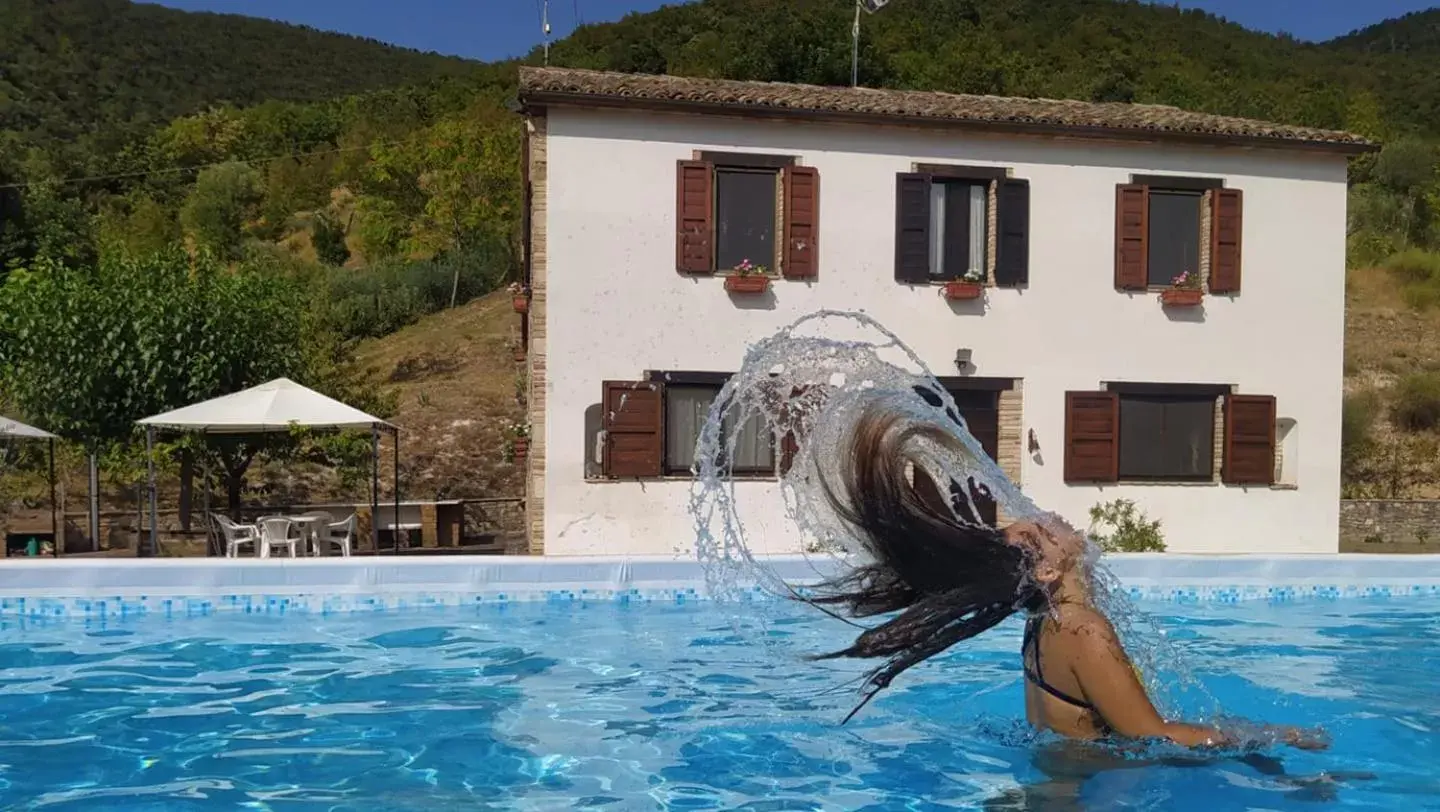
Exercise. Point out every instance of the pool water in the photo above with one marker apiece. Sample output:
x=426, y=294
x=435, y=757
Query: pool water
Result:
x=605, y=706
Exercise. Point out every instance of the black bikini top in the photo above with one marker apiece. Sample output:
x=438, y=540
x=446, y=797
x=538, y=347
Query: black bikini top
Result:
x=1032, y=640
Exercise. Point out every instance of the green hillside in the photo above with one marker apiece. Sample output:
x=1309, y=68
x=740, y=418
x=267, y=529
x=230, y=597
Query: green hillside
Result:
x=1120, y=50
x=96, y=71
x=1416, y=34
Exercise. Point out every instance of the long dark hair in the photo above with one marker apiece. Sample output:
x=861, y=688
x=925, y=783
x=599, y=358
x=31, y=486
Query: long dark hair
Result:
x=949, y=579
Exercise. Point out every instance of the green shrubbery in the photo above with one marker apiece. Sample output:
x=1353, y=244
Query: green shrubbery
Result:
x=1416, y=405
x=1418, y=272
x=384, y=297
x=1121, y=527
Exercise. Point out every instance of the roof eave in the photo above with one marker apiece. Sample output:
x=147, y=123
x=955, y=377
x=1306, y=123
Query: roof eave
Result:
x=533, y=101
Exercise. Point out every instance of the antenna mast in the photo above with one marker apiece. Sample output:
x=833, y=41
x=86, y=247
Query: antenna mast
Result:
x=545, y=28
x=871, y=6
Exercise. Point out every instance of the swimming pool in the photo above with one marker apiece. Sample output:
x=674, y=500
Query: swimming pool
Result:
x=660, y=705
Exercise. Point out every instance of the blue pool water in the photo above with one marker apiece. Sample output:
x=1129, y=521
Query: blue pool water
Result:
x=665, y=707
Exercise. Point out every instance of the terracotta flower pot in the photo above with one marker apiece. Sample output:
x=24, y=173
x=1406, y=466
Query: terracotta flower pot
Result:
x=520, y=448
x=1181, y=297
x=963, y=290
x=753, y=283
x=522, y=304
x=519, y=356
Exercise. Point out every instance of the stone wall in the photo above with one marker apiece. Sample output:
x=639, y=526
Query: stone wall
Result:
x=1374, y=522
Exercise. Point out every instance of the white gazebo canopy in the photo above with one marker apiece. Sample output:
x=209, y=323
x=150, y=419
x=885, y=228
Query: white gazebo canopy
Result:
x=270, y=407
x=273, y=407
x=16, y=429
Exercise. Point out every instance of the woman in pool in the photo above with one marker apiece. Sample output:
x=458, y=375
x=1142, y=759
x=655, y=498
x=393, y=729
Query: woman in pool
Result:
x=950, y=577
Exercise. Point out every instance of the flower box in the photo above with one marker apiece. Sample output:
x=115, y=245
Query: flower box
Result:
x=521, y=303
x=1181, y=297
x=963, y=290
x=748, y=283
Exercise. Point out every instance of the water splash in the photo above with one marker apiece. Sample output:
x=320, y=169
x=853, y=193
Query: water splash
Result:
x=806, y=386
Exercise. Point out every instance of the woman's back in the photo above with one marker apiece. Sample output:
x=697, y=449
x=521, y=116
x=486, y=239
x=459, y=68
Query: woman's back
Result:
x=1054, y=698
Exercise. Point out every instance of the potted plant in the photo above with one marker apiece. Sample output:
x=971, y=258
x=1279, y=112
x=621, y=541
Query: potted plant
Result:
x=969, y=286
x=520, y=297
x=747, y=277
x=1184, y=291
x=517, y=441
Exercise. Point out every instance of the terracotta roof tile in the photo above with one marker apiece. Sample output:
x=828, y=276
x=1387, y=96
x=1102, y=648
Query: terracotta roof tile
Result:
x=1148, y=121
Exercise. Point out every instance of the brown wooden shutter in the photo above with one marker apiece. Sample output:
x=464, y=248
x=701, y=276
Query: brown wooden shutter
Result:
x=1012, y=238
x=1226, y=208
x=1249, y=440
x=634, y=429
x=1092, y=432
x=1132, y=230
x=802, y=222
x=695, y=216
x=912, y=228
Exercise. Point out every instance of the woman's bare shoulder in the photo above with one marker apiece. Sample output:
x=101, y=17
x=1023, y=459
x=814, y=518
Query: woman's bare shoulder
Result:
x=1085, y=621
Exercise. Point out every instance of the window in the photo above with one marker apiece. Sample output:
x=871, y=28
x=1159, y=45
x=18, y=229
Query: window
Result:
x=745, y=216
x=727, y=211
x=945, y=226
x=1166, y=226
x=959, y=214
x=650, y=428
x=1167, y=437
x=1166, y=433
x=687, y=407
x=1174, y=235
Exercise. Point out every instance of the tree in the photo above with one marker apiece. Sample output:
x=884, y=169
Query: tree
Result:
x=328, y=237
x=224, y=199
x=89, y=352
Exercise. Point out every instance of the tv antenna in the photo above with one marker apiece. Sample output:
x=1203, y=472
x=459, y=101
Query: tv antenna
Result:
x=870, y=6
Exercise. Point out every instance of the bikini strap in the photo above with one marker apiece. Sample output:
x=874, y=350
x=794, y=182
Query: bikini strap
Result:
x=1032, y=638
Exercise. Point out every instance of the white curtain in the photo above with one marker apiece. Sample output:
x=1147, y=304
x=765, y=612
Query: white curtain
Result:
x=979, y=199
x=754, y=447
x=937, y=229
x=686, y=410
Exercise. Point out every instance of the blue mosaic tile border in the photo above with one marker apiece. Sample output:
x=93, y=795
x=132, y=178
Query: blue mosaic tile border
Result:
x=119, y=607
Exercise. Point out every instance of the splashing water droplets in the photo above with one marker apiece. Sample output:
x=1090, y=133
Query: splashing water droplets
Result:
x=807, y=386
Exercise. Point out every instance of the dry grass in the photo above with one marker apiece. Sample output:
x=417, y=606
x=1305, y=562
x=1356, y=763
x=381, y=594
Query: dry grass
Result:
x=1384, y=337
x=455, y=374
x=1385, y=340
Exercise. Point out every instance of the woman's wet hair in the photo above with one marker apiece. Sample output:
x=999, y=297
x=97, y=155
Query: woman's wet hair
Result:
x=949, y=575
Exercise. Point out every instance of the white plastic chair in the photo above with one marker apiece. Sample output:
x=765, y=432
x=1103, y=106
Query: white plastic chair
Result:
x=341, y=533
x=235, y=534
x=275, y=532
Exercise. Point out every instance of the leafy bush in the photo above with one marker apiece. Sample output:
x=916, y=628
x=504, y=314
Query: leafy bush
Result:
x=1418, y=272
x=1130, y=530
x=387, y=296
x=1417, y=402
x=328, y=237
x=1357, y=428
x=1414, y=266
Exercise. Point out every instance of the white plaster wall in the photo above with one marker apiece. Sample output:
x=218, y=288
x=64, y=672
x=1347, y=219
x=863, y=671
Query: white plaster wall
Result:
x=617, y=308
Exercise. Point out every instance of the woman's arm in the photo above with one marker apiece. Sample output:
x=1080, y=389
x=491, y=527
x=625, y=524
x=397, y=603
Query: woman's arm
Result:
x=1108, y=681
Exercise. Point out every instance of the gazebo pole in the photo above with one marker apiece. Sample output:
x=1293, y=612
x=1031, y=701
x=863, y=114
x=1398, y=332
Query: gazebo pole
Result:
x=54, y=507
x=150, y=472
x=395, y=435
x=205, y=496
x=375, y=487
